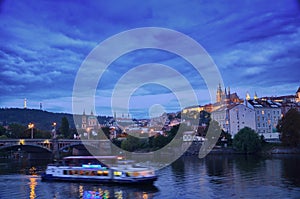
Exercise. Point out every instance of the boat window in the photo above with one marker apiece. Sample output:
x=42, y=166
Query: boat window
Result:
x=105, y=173
x=99, y=173
x=65, y=172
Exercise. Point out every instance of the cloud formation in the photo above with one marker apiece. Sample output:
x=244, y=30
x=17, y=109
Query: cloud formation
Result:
x=255, y=45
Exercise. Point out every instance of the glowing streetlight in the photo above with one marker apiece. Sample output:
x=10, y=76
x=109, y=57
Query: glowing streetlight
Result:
x=54, y=129
x=31, y=126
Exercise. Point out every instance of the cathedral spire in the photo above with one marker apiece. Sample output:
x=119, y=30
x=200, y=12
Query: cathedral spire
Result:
x=255, y=96
x=248, y=96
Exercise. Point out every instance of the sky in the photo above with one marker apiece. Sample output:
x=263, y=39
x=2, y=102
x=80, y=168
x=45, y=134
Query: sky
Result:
x=255, y=46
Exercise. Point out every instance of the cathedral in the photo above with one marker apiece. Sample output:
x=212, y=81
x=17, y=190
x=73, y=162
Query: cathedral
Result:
x=225, y=97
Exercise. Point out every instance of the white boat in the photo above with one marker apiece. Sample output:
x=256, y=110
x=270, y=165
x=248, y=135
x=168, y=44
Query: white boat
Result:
x=103, y=169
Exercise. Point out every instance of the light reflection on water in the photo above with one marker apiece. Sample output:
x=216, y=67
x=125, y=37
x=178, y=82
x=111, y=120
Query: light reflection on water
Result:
x=188, y=177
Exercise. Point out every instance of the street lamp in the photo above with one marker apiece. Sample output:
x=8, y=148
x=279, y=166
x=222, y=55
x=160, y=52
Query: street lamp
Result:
x=31, y=126
x=54, y=129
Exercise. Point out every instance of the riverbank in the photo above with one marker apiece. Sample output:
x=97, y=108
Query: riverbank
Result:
x=267, y=149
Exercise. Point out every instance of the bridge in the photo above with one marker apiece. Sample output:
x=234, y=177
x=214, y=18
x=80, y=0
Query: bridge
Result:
x=56, y=145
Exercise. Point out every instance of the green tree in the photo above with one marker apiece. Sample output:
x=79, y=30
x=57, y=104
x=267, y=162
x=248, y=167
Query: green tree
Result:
x=247, y=141
x=16, y=130
x=225, y=138
x=160, y=141
x=289, y=127
x=130, y=144
x=65, y=127
x=2, y=130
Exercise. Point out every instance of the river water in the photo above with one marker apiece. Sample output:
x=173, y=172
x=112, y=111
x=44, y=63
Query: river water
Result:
x=216, y=176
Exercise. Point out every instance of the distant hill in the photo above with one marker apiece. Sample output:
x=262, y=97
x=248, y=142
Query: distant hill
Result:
x=42, y=119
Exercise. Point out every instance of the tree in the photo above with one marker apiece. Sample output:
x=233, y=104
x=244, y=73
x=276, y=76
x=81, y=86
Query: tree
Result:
x=2, y=130
x=16, y=130
x=65, y=127
x=247, y=141
x=225, y=138
x=130, y=144
x=289, y=127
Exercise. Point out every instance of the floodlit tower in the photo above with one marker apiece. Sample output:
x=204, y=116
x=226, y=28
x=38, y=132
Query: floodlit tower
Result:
x=219, y=93
x=248, y=96
x=255, y=96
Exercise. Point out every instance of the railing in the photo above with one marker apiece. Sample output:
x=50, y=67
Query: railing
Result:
x=47, y=143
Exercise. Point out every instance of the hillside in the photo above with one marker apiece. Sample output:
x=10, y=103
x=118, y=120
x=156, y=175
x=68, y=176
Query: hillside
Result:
x=41, y=119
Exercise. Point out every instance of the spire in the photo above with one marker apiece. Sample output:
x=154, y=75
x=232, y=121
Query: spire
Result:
x=255, y=96
x=83, y=112
x=248, y=96
x=219, y=93
x=92, y=112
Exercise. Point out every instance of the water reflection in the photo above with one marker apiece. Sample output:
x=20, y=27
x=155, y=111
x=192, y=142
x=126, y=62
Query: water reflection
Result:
x=188, y=177
x=290, y=170
x=32, y=186
x=87, y=191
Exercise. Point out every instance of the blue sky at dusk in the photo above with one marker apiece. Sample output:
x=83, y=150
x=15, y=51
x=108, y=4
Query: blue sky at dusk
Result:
x=255, y=45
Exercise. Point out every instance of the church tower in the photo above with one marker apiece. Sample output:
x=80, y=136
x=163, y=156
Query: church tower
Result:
x=83, y=120
x=219, y=94
x=248, y=96
x=255, y=96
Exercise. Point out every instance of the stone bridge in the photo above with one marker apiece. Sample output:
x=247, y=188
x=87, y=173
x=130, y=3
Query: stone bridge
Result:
x=56, y=145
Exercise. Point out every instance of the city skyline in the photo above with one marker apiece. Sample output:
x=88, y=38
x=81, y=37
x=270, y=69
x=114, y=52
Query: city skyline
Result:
x=253, y=44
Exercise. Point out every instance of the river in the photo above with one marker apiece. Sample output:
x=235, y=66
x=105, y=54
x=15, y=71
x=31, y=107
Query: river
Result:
x=216, y=176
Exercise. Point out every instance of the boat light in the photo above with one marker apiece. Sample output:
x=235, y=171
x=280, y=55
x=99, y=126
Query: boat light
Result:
x=91, y=166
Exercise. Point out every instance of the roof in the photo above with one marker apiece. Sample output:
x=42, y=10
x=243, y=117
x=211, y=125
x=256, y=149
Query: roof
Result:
x=298, y=90
x=264, y=103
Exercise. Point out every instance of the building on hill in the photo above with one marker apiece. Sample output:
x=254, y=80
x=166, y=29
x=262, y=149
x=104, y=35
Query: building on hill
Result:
x=298, y=95
x=233, y=117
x=89, y=122
x=286, y=101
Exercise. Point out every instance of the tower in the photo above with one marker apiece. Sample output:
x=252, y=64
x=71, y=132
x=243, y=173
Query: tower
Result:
x=219, y=94
x=83, y=120
x=248, y=96
x=25, y=103
x=229, y=95
x=255, y=96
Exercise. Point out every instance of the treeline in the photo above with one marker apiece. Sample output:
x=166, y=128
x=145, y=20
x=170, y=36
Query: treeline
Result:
x=42, y=119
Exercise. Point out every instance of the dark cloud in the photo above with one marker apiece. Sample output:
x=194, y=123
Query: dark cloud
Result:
x=43, y=44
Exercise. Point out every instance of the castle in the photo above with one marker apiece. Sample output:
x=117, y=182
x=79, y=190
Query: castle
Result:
x=225, y=97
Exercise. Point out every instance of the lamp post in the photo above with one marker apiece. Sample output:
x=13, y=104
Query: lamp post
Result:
x=31, y=126
x=54, y=129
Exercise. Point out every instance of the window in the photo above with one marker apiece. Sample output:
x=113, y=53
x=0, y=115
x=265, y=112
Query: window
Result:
x=262, y=112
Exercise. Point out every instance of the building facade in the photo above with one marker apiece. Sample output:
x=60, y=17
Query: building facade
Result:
x=232, y=118
x=267, y=115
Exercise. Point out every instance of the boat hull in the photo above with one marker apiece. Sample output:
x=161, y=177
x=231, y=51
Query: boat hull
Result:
x=144, y=180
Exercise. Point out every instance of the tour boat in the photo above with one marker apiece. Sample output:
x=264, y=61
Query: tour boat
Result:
x=102, y=169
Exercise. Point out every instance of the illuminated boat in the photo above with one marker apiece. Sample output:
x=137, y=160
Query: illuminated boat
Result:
x=103, y=169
